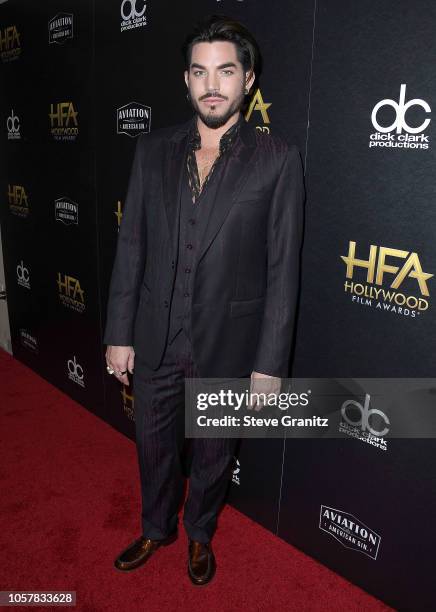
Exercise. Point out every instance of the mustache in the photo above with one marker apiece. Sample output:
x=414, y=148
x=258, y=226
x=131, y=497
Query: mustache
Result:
x=212, y=95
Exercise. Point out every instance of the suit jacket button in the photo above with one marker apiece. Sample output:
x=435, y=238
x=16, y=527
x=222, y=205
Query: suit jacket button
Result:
x=166, y=303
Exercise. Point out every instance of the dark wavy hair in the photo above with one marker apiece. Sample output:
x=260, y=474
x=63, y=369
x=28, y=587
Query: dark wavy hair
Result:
x=221, y=27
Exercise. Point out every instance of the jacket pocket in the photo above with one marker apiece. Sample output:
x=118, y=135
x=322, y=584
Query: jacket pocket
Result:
x=239, y=308
x=251, y=194
x=251, y=201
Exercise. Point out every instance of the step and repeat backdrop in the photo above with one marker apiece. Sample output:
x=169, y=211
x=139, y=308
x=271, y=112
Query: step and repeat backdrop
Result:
x=353, y=85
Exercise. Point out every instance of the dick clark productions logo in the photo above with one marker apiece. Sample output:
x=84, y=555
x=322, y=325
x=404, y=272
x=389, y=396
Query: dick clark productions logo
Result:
x=368, y=425
x=75, y=371
x=23, y=275
x=13, y=126
x=399, y=134
x=133, y=14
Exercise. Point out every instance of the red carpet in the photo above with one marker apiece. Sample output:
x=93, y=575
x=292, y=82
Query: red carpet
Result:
x=71, y=502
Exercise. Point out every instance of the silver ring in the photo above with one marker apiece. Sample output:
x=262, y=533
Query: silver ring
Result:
x=109, y=370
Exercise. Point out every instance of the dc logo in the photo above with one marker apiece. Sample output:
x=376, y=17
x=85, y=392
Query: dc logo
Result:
x=400, y=108
x=236, y=479
x=132, y=6
x=22, y=273
x=75, y=369
x=364, y=418
x=13, y=123
x=237, y=466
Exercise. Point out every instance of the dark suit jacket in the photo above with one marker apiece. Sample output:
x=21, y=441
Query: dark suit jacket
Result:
x=246, y=274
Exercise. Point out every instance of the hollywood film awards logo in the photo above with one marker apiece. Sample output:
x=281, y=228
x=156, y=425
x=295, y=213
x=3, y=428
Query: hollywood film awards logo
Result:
x=10, y=46
x=368, y=425
x=75, y=372
x=18, y=200
x=349, y=531
x=257, y=105
x=13, y=126
x=133, y=119
x=399, y=134
x=23, y=275
x=377, y=291
x=28, y=341
x=60, y=28
x=133, y=14
x=119, y=214
x=64, y=125
x=236, y=478
x=66, y=211
x=128, y=403
x=71, y=293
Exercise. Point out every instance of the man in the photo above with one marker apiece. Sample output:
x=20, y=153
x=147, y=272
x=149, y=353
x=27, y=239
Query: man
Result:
x=204, y=282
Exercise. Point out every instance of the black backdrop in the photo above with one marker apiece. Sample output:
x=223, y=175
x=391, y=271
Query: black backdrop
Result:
x=70, y=75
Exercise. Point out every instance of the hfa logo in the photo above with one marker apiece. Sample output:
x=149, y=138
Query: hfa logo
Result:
x=128, y=403
x=63, y=121
x=70, y=292
x=349, y=531
x=133, y=119
x=364, y=423
x=66, y=211
x=133, y=14
x=257, y=104
x=10, y=46
x=236, y=479
x=18, y=200
x=119, y=214
x=75, y=371
x=13, y=126
x=378, y=271
x=23, y=275
x=399, y=133
x=60, y=28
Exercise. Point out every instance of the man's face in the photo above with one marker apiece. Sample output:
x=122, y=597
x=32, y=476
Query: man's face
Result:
x=216, y=81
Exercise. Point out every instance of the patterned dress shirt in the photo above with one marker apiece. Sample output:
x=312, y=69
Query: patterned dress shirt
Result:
x=226, y=140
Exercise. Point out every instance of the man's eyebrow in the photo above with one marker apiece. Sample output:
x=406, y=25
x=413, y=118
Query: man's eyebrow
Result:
x=226, y=65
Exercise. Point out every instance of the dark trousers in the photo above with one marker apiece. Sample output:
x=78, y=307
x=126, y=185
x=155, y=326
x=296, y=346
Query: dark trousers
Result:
x=159, y=413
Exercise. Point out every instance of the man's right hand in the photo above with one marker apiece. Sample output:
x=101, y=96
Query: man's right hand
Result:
x=120, y=359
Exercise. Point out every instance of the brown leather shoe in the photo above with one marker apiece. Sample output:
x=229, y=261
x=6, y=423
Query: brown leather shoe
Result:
x=140, y=551
x=201, y=564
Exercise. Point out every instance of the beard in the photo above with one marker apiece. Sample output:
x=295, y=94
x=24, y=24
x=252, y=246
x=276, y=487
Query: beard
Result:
x=214, y=120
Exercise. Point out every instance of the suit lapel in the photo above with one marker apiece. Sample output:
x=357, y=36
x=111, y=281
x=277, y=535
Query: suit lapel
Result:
x=172, y=178
x=234, y=176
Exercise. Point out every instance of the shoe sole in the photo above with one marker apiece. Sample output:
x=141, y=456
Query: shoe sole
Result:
x=166, y=542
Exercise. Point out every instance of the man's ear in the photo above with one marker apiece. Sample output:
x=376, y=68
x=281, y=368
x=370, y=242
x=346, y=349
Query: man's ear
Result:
x=249, y=79
x=186, y=77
